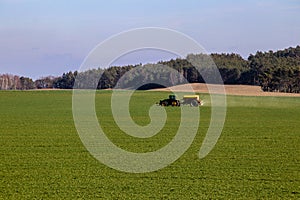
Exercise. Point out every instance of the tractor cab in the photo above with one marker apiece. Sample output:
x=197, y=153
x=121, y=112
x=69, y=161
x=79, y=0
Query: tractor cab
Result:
x=172, y=97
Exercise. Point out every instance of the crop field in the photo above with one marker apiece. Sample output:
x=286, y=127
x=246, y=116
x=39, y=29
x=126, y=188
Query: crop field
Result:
x=42, y=156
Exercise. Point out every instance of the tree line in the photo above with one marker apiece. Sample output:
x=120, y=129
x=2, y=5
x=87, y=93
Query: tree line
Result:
x=13, y=82
x=274, y=71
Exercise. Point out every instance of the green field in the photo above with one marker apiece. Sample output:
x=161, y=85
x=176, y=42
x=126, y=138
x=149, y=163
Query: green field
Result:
x=256, y=157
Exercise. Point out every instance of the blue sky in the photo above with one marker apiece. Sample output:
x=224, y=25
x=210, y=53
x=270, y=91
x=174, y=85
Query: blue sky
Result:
x=43, y=37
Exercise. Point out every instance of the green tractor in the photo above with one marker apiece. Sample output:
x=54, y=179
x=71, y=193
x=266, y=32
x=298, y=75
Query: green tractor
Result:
x=171, y=101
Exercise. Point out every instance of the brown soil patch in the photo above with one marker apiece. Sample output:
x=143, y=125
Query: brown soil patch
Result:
x=242, y=90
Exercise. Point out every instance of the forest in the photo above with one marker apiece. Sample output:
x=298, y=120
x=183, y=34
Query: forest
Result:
x=274, y=71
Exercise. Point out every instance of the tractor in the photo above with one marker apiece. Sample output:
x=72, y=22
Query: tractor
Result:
x=192, y=100
x=171, y=101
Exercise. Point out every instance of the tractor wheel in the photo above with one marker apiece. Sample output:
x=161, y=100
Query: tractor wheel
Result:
x=194, y=103
x=165, y=103
x=174, y=103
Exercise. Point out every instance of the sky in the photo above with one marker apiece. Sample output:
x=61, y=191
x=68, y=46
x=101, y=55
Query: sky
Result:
x=49, y=37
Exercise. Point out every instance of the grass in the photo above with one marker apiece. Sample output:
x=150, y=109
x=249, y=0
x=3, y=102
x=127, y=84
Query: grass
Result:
x=256, y=157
